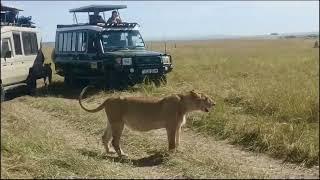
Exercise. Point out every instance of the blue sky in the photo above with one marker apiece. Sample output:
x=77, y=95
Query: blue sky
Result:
x=166, y=20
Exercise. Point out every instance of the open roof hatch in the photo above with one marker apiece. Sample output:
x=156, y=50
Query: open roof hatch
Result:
x=10, y=16
x=96, y=9
x=11, y=9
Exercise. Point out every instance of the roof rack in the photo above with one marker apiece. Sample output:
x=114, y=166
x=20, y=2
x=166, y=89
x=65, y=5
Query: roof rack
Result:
x=104, y=25
x=9, y=9
x=9, y=17
x=98, y=8
x=120, y=25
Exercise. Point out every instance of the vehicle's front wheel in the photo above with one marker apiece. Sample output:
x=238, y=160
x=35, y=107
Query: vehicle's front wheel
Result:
x=68, y=80
x=161, y=80
x=31, y=85
x=116, y=80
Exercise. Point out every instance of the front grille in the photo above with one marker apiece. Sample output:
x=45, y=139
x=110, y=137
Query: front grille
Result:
x=145, y=60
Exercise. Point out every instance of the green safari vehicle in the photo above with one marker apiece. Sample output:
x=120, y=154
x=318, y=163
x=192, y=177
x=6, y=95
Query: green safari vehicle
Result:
x=108, y=54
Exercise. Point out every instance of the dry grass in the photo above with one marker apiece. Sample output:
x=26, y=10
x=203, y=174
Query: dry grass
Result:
x=267, y=94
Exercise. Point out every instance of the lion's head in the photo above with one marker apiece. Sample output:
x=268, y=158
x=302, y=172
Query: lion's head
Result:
x=199, y=101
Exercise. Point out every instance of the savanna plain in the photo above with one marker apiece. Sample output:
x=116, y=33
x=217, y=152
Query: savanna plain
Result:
x=265, y=123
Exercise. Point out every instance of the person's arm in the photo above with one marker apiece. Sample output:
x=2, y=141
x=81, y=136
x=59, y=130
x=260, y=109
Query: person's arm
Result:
x=109, y=21
x=119, y=20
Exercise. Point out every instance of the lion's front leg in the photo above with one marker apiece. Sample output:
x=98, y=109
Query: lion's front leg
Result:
x=171, y=133
x=178, y=133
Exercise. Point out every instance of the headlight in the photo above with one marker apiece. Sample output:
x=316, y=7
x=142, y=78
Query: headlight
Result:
x=118, y=60
x=165, y=59
x=126, y=61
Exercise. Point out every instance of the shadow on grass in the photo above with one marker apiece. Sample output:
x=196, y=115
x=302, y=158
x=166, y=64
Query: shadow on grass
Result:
x=60, y=89
x=155, y=159
x=16, y=92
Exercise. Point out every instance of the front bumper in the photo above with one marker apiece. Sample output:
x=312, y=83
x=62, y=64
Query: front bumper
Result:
x=136, y=74
x=143, y=70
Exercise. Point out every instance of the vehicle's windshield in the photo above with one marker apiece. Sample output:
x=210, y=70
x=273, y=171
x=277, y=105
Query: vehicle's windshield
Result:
x=121, y=40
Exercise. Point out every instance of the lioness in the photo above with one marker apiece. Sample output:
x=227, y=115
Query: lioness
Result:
x=144, y=114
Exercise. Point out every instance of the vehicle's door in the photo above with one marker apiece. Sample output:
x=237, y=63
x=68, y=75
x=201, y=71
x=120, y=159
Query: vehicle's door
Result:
x=18, y=61
x=26, y=48
x=7, y=70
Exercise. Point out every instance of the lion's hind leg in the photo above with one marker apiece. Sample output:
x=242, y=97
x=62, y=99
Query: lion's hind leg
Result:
x=171, y=133
x=106, y=139
x=117, y=129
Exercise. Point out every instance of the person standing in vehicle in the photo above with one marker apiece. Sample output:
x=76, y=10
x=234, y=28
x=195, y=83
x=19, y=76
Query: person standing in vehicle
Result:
x=115, y=18
x=98, y=18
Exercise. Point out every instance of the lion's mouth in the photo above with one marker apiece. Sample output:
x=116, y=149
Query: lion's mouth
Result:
x=206, y=110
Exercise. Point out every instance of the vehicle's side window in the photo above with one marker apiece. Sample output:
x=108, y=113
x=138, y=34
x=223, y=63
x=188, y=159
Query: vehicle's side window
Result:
x=26, y=43
x=17, y=43
x=60, y=47
x=74, y=40
x=79, y=41
x=69, y=36
x=30, y=45
x=82, y=41
x=5, y=47
x=91, y=42
x=65, y=38
x=34, y=43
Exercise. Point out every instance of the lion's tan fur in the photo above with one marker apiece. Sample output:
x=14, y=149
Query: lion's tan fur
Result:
x=144, y=114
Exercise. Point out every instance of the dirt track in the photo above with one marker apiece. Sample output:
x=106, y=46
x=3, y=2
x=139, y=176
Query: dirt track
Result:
x=198, y=156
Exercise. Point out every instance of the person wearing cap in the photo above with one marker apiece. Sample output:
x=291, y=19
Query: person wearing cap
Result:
x=114, y=18
x=98, y=18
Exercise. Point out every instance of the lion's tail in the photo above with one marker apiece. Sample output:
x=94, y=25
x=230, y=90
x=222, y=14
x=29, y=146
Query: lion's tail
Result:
x=89, y=110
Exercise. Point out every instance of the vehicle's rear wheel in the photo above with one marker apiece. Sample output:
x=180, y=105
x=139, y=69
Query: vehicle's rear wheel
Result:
x=31, y=85
x=3, y=94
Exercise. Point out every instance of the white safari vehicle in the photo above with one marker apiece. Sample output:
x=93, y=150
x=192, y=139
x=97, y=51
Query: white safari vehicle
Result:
x=21, y=57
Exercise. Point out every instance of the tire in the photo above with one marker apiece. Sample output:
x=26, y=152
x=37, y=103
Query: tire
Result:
x=31, y=85
x=116, y=80
x=158, y=81
x=68, y=80
x=147, y=80
x=3, y=94
x=31, y=82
